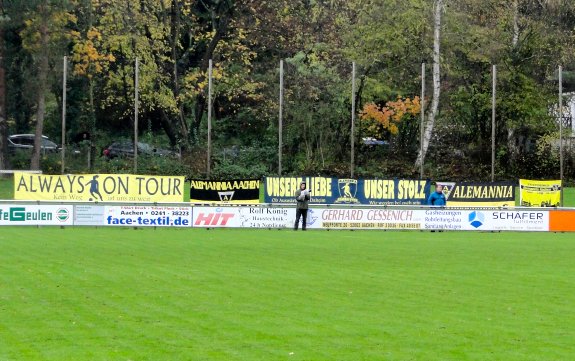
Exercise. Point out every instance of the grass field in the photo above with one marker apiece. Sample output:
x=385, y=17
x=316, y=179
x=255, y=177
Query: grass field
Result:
x=124, y=294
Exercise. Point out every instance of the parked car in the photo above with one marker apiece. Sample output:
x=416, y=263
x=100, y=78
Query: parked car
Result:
x=126, y=149
x=26, y=141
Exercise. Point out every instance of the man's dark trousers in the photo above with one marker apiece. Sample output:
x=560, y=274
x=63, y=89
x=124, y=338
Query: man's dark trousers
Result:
x=300, y=213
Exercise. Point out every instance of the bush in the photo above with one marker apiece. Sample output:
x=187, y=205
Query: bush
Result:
x=244, y=162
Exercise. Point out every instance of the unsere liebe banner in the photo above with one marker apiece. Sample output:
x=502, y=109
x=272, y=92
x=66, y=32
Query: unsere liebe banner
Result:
x=98, y=187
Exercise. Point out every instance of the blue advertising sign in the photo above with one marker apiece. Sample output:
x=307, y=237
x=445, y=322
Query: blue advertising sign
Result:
x=327, y=190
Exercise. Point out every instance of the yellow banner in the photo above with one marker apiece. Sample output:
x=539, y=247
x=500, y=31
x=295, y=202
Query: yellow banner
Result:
x=98, y=187
x=540, y=193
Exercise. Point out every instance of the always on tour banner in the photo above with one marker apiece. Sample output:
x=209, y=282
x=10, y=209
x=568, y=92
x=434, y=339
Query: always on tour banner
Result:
x=244, y=191
x=326, y=190
x=474, y=194
x=98, y=187
x=534, y=193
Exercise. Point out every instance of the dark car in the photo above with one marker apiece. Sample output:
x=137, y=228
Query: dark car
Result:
x=26, y=141
x=126, y=149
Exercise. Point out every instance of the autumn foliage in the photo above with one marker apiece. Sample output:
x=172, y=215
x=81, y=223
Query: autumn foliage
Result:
x=376, y=119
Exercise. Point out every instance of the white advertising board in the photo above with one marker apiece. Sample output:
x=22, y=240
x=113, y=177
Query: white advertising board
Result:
x=133, y=216
x=486, y=220
x=361, y=218
x=147, y=216
x=88, y=215
x=376, y=218
x=33, y=215
x=243, y=217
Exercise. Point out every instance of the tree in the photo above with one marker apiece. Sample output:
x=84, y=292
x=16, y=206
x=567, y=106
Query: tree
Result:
x=43, y=34
x=387, y=118
x=3, y=120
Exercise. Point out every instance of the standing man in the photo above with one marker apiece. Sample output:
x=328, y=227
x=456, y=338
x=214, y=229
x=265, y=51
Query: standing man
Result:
x=437, y=198
x=302, y=196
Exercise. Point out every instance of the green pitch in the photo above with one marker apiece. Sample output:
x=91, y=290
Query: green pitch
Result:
x=124, y=294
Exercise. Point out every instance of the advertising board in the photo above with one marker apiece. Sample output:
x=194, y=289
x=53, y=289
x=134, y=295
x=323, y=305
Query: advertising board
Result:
x=562, y=220
x=243, y=217
x=33, y=215
x=133, y=216
x=359, y=218
x=373, y=218
x=482, y=220
x=89, y=215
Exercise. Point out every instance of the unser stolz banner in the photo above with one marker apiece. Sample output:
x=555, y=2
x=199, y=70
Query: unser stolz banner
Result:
x=242, y=191
x=98, y=187
x=34, y=215
x=476, y=194
x=534, y=193
x=327, y=190
x=133, y=216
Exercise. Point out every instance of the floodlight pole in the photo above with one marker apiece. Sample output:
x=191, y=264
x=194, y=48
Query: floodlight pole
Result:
x=280, y=122
x=493, y=104
x=63, y=150
x=352, y=135
x=209, y=119
x=561, y=159
x=422, y=125
x=136, y=90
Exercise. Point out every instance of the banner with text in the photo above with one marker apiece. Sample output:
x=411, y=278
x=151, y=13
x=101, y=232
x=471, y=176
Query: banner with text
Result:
x=243, y=217
x=475, y=194
x=366, y=218
x=534, y=193
x=327, y=190
x=244, y=191
x=34, y=215
x=133, y=216
x=98, y=187
x=345, y=218
x=481, y=220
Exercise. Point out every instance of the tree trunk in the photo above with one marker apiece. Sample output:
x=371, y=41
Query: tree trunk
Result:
x=168, y=127
x=512, y=149
x=43, y=68
x=93, y=137
x=221, y=29
x=515, y=39
x=184, y=132
x=4, y=161
x=438, y=7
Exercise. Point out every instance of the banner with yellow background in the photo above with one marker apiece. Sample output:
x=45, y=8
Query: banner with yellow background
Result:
x=534, y=193
x=98, y=187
